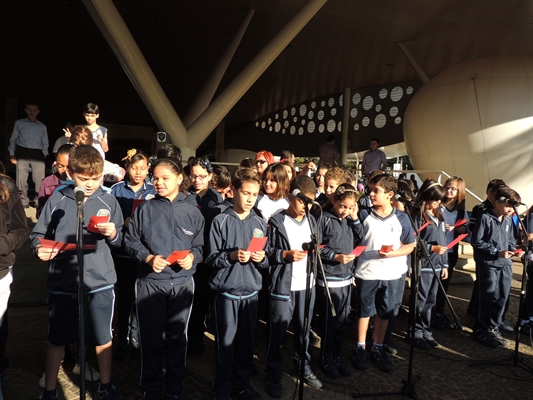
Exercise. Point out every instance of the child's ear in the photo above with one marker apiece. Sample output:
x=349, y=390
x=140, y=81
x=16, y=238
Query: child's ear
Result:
x=69, y=173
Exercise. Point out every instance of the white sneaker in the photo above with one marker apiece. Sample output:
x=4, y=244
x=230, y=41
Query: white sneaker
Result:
x=91, y=375
x=42, y=381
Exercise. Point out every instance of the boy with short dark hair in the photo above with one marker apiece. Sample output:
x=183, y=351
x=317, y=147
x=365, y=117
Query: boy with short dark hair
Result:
x=287, y=231
x=379, y=269
x=236, y=282
x=58, y=223
x=494, y=243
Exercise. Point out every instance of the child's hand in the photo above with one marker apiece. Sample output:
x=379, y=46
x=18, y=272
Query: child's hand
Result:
x=294, y=255
x=158, y=263
x=107, y=229
x=439, y=249
x=355, y=211
x=242, y=256
x=46, y=254
x=344, y=258
x=67, y=133
x=257, y=256
x=186, y=262
x=449, y=227
x=444, y=273
x=505, y=254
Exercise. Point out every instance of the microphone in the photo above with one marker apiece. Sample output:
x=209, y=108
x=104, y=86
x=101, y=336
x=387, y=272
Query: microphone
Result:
x=299, y=195
x=403, y=200
x=79, y=191
x=512, y=203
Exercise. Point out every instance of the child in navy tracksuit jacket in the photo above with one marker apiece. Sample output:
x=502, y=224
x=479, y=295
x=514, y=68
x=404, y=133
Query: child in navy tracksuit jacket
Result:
x=164, y=291
x=57, y=222
x=236, y=281
x=433, y=236
x=494, y=242
x=287, y=231
x=341, y=233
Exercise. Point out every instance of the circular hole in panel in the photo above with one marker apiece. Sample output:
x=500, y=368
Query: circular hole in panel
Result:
x=396, y=93
x=300, y=131
x=295, y=119
x=257, y=124
x=321, y=128
x=303, y=110
x=365, y=121
x=311, y=115
x=383, y=93
x=277, y=126
x=311, y=127
x=303, y=121
x=285, y=114
x=356, y=98
x=398, y=120
x=353, y=112
x=368, y=102
x=292, y=130
x=283, y=131
x=270, y=121
x=380, y=120
x=409, y=90
x=378, y=107
x=356, y=127
x=270, y=128
x=393, y=111
x=331, y=125
x=320, y=115
x=286, y=124
x=263, y=124
x=339, y=126
x=277, y=116
x=341, y=99
x=293, y=111
x=333, y=111
x=313, y=104
x=331, y=101
x=323, y=103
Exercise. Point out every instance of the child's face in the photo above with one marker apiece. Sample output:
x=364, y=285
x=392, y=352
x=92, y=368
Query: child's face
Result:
x=137, y=172
x=270, y=185
x=289, y=171
x=297, y=207
x=502, y=209
x=245, y=197
x=319, y=177
x=378, y=196
x=451, y=190
x=62, y=163
x=166, y=182
x=432, y=205
x=331, y=186
x=87, y=181
x=90, y=118
x=200, y=178
x=343, y=208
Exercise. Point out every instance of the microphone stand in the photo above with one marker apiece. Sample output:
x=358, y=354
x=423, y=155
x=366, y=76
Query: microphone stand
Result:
x=408, y=389
x=515, y=360
x=81, y=298
x=311, y=271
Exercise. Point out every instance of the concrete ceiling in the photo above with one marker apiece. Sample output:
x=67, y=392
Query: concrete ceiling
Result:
x=53, y=52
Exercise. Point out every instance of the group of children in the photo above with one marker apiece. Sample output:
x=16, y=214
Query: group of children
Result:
x=178, y=244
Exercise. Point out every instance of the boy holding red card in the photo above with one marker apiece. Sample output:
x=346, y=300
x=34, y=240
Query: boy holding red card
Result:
x=58, y=222
x=287, y=231
x=236, y=281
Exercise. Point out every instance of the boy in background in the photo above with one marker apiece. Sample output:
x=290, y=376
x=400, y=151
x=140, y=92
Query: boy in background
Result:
x=287, y=231
x=236, y=282
x=379, y=269
x=58, y=222
x=494, y=243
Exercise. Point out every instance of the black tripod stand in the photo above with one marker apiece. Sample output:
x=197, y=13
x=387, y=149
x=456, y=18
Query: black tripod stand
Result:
x=514, y=359
x=408, y=388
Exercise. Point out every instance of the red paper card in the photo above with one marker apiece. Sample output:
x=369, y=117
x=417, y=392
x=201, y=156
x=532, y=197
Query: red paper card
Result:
x=460, y=222
x=61, y=246
x=257, y=244
x=518, y=252
x=136, y=203
x=177, y=255
x=95, y=220
x=456, y=240
x=423, y=226
x=386, y=248
x=358, y=250
x=321, y=246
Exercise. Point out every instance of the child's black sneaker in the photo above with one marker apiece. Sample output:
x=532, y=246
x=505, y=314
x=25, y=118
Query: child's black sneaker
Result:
x=330, y=369
x=431, y=342
x=48, y=395
x=273, y=387
x=342, y=366
x=108, y=392
x=390, y=348
x=359, y=360
x=421, y=343
x=380, y=357
x=484, y=338
x=497, y=336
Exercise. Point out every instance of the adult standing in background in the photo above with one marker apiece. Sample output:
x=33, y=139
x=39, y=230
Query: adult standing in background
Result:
x=28, y=148
x=329, y=153
x=374, y=159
